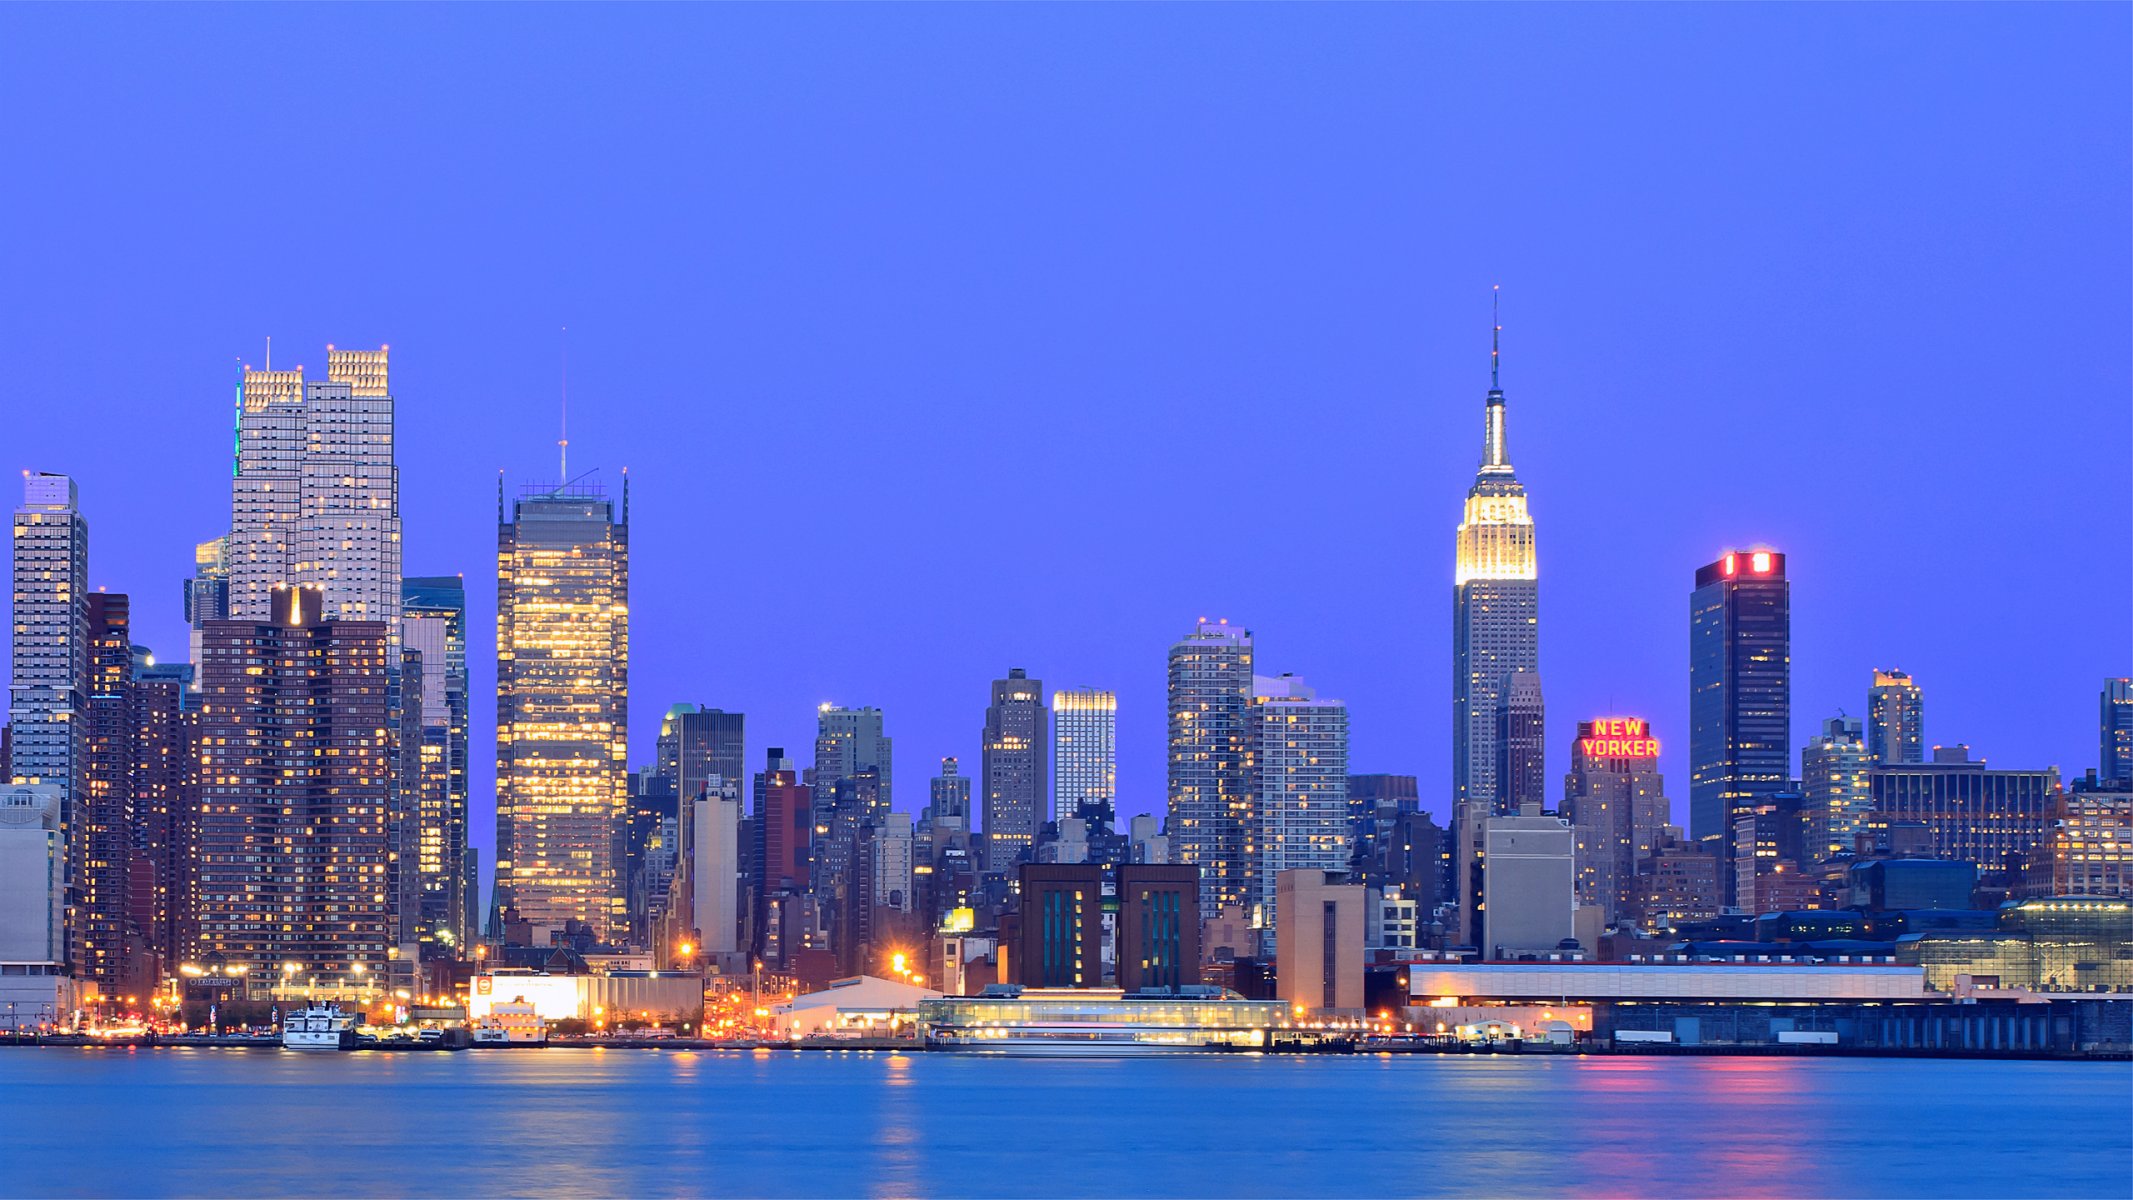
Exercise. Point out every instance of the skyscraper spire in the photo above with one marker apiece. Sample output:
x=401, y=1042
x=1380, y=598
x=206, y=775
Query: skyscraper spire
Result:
x=1495, y=336
x=1494, y=456
x=562, y=441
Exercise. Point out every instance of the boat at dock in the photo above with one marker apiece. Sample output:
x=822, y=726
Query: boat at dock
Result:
x=319, y=1027
x=514, y=1023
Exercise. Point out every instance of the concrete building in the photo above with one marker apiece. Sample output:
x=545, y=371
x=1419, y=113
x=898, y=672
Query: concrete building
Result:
x=715, y=868
x=562, y=706
x=48, y=685
x=1970, y=813
x=315, y=496
x=1085, y=755
x=295, y=847
x=1016, y=758
x=1615, y=800
x=1211, y=804
x=894, y=864
x=1158, y=941
x=1319, y=940
x=1740, y=693
x=1062, y=934
x=1835, y=779
x=1299, y=757
x=1529, y=904
x=35, y=990
x=1895, y=720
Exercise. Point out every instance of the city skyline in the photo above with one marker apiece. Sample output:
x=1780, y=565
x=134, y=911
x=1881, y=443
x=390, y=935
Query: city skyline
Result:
x=1848, y=370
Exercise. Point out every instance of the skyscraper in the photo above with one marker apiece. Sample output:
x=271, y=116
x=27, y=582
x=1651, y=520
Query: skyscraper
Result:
x=1521, y=737
x=1740, y=693
x=1299, y=757
x=848, y=741
x=1834, y=770
x=166, y=807
x=2115, y=762
x=315, y=497
x=702, y=743
x=48, y=688
x=1495, y=609
x=100, y=909
x=1211, y=801
x=1085, y=755
x=294, y=844
x=1015, y=754
x=562, y=705
x=434, y=622
x=1615, y=800
x=784, y=820
x=1895, y=720
x=207, y=593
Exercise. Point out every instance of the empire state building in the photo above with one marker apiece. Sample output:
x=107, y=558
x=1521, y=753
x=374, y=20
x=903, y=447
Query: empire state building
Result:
x=1495, y=635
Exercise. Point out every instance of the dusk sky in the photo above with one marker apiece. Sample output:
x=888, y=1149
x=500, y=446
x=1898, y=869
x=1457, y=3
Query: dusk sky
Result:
x=939, y=340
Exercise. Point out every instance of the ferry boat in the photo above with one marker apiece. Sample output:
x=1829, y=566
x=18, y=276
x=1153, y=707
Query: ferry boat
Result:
x=513, y=1023
x=320, y=1027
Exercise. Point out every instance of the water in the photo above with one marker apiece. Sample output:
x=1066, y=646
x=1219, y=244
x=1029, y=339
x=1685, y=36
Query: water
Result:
x=638, y=1123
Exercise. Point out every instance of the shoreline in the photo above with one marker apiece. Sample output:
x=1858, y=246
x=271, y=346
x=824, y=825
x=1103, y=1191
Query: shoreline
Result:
x=902, y=1046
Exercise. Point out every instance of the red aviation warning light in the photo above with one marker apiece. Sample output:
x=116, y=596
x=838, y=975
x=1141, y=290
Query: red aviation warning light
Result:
x=1618, y=737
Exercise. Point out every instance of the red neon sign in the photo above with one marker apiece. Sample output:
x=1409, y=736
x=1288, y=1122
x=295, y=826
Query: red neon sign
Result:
x=1618, y=737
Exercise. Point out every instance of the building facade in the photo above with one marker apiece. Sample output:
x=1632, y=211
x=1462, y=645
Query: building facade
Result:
x=1895, y=719
x=562, y=706
x=298, y=759
x=1969, y=813
x=1299, y=756
x=1530, y=884
x=434, y=623
x=1521, y=742
x=1210, y=804
x=1085, y=755
x=1740, y=692
x=1615, y=800
x=48, y=685
x=1016, y=768
x=315, y=496
x=2115, y=725
x=1835, y=779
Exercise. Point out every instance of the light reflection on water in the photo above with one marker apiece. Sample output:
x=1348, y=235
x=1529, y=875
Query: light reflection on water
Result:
x=640, y=1122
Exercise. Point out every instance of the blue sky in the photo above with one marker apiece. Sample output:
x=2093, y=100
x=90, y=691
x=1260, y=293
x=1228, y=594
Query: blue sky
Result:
x=945, y=339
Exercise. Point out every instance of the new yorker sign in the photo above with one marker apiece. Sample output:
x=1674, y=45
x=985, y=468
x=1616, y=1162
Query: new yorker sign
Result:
x=1617, y=737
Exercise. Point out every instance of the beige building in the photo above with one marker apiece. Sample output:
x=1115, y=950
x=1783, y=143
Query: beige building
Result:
x=1529, y=884
x=1318, y=939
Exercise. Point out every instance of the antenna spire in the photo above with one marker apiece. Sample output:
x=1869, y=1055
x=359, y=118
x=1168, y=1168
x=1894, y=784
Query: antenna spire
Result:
x=562, y=440
x=1495, y=336
x=270, y=352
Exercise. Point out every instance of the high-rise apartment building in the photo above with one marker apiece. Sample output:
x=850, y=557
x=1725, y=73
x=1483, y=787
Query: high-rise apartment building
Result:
x=1211, y=806
x=297, y=769
x=48, y=686
x=562, y=705
x=1085, y=755
x=782, y=829
x=1016, y=753
x=165, y=809
x=1834, y=779
x=2115, y=724
x=434, y=623
x=1615, y=801
x=315, y=497
x=1895, y=719
x=102, y=893
x=1740, y=693
x=1299, y=757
